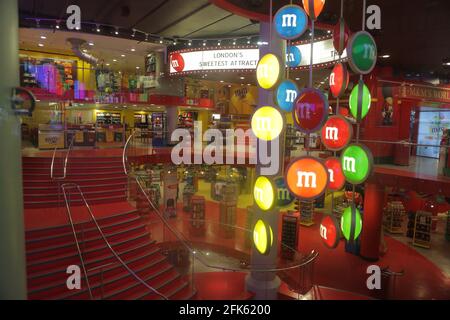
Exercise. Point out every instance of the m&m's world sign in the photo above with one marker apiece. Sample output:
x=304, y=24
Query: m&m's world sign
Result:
x=290, y=22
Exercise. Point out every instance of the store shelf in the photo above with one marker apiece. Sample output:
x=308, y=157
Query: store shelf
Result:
x=393, y=217
x=422, y=229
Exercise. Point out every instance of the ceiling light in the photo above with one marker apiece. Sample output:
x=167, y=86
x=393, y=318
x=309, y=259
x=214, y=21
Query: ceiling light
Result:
x=91, y=43
x=242, y=78
x=116, y=32
x=221, y=81
x=134, y=33
x=218, y=43
x=297, y=79
x=98, y=28
x=190, y=43
x=84, y=50
x=138, y=68
x=43, y=37
x=385, y=56
x=234, y=42
x=122, y=55
x=133, y=49
x=57, y=24
x=248, y=84
x=107, y=64
x=204, y=43
x=114, y=60
x=40, y=44
x=248, y=40
x=328, y=31
x=161, y=40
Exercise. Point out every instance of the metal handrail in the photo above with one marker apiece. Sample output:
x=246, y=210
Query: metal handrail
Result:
x=76, y=186
x=308, y=259
x=77, y=243
x=66, y=159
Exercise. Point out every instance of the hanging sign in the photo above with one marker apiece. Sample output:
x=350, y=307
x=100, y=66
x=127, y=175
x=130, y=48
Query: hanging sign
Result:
x=267, y=123
x=307, y=178
x=310, y=110
x=285, y=95
x=330, y=231
x=339, y=79
x=357, y=163
x=351, y=223
x=284, y=196
x=293, y=56
x=262, y=237
x=290, y=22
x=362, y=52
x=336, y=178
x=341, y=34
x=264, y=193
x=268, y=71
x=313, y=7
x=336, y=133
x=360, y=101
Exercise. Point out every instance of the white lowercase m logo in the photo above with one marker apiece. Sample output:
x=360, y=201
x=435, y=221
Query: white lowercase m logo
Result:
x=290, y=57
x=263, y=123
x=350, y=164
x=323, y=232
x=291, y=95
x=331, y=174
x=289, y=20
x=259, y=194
x=331, y=133
x=306, y=179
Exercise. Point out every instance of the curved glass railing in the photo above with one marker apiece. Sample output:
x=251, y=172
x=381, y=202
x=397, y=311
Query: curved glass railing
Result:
x=200, y=240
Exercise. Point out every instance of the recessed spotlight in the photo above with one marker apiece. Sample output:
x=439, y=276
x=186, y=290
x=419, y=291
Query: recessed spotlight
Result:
x=98, y=29
x=114, y=60
x=328, y=31
x=43, y=37
x=248, y=84
x=133, y=49
x=57, y=26
x=90, y=43
x=242, y=78
x=385, y=56
x=190, y=43
x=122, y=55
x=84, y=50
x=107, y=64
x=138, y=68
x=297, y=79
x=40, y=44
x=221, y=81
x=204, y=43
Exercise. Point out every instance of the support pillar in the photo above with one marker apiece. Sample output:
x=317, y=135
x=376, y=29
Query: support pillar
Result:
x=172, y=122
x=12, y=236
x=372, y=221
x=265, y=285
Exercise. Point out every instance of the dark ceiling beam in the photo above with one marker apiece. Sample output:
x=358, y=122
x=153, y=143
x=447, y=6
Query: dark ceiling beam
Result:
x=183, y=18
x=149, y=13
x=208, y=25
x=243, y=27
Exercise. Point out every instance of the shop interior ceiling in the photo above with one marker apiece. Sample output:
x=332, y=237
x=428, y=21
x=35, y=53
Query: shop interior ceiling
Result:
x=414, y=32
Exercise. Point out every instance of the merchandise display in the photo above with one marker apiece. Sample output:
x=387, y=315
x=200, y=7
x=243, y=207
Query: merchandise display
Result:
x=289, y=234
x=422, y=229
x=393, y=217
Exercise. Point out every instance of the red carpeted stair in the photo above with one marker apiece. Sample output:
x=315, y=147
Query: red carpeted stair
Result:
x=101, y=178
x=51, y=250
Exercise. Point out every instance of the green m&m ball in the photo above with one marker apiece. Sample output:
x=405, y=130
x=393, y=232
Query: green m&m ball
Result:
x=360, y=99
x=351, y=223
x=362, y=52
x=357, y=163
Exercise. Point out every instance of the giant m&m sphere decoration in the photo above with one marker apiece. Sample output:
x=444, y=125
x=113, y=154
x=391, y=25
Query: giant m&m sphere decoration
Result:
x=360, y=101
x=264, y=193
x=267, y=123
x=290, y=22
x=293, y=56
x=262, y=237
x=336, y=178
x=336, y=133
x=351, y=223
x=362, y=52
x=310, y=110
x=285, y=95
x=284, y=196
x=313, y=7
x=268, y=71
x=341, y=34
x=339, y=79
x=307, y=178
x=330, y=232
x=357, y=163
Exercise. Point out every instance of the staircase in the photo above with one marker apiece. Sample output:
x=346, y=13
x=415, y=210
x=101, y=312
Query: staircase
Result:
x=101, y=178
x=50, y=251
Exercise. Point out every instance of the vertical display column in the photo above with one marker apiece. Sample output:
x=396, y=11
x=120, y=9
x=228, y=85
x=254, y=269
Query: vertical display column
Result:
x=172, y=121
x=12, y=236
x=266, y=215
